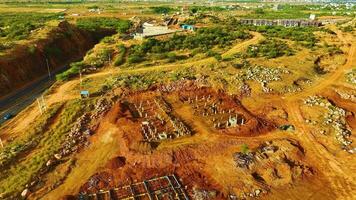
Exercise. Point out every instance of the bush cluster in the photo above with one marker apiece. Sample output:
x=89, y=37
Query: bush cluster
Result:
x=204, y=39
x=270, y=48
x=97, y=23
x=19, y=25
x=303, y=35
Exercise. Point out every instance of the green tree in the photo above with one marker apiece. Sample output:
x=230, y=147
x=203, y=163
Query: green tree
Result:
x=245, y=149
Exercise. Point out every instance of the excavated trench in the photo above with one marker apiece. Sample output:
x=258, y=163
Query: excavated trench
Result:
x=64, y=44
x=24, y=70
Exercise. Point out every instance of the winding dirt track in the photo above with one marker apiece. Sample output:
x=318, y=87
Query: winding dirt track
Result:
x=339, y=171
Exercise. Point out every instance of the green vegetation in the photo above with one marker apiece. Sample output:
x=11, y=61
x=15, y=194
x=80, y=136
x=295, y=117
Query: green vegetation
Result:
x=6, y=45
x=25, y=142
x=204, y=39
x=196, y=9
x=18, y=26
x=333, y=49
x=351, y=77
x=72, y=71
x=47, y=143
x=120, y=59
x=270, y=48
x=284, y=12
x=98, y=23
x=245, y=149
x=302, y=35
x=347, y=28
x=93, y=58
x=162, y=10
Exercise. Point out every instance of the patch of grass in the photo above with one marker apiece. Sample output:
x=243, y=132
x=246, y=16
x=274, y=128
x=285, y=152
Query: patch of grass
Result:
x=17, y=176
x=270, y=48
x=162, y=9
x=302, y=35
x=97, y=23
x=27, y=140
x=72, y=71
x=18, y=26
x=204, y=39
x=351, y=77
x=120, y=58
x=348, y=28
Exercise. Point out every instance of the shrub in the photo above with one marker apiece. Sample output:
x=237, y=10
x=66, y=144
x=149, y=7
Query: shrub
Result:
x=72, y=71
x=135, y=58
x=347, y=29
x=97, y=23
x=171, y=56
x=303, y=35
x=20, y=25
x=161, y=9
x=108, y=40
x=270, y=48
x=204, y=39
x=245, y=149
x=120, y=57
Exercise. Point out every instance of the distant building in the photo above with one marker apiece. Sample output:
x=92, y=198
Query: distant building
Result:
x=281, y=22
x=151, y=30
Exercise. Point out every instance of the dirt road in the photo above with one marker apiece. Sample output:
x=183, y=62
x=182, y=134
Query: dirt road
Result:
x=339, y=170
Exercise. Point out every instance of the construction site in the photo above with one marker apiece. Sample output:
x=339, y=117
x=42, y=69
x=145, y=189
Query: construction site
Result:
x=142, y=100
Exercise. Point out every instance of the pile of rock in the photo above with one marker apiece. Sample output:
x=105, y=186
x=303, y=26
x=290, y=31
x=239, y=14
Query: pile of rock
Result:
x=253, y=194
x=263, y=75
x=100, y=108
x=243, y=160
x=245, y=90
x=351, y=77
x=335, y=116
x=201, y=194
x=82, y=129
x=345, y=95
x=77, y=136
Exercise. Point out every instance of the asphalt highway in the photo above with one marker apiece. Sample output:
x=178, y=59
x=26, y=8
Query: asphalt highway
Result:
x=20, y=99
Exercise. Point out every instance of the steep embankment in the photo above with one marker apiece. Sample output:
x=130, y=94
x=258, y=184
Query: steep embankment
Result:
x=25, y=64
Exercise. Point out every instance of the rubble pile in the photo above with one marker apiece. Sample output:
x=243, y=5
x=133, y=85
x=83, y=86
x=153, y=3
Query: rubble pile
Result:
x=270, y=164
x=335, y=116
x=177, y=86
x=77, y=136
x=200, y=194
x=243, y=160
x=351, y=76
x=263, y=75
x=245, y=90
x=101, y=107
x=252, y=194
x=345, y=95
x=82, y=129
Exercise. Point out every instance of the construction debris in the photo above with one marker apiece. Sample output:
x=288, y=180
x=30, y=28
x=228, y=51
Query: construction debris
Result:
x=165, y=187
x=262, y=75
x=335, y=117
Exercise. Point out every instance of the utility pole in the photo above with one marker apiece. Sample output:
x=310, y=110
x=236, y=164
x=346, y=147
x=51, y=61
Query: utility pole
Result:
x=41, y=104
x=49, y=71
x=80, y=79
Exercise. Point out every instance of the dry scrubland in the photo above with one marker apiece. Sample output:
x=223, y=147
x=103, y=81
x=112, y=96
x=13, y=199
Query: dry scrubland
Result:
x=234, y=111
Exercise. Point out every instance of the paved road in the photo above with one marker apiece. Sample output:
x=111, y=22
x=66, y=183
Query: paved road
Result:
x=16, y=102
